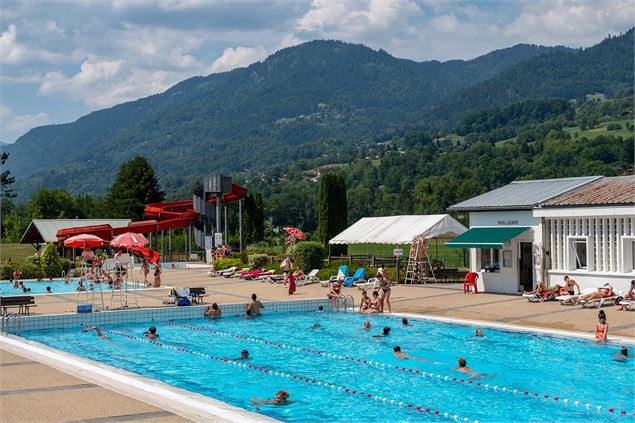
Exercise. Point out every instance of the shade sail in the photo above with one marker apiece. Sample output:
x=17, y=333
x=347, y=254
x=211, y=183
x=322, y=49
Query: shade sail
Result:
x=398, y=229
x=480, y=237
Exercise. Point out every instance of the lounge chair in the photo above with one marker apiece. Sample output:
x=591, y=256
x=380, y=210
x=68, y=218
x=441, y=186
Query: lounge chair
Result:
x=308, y=279
x=274, y=279
x=236, y=273
x=342, y=272
x=370, y=283
x=541, y=297
x=358, y=276
x=255, y=274
x=628, y=304
x=573, y=299
x=227, y=271
x=600, y=302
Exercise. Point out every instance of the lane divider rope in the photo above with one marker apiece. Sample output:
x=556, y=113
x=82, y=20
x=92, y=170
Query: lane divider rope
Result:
x=295, y=378
x=437, y=376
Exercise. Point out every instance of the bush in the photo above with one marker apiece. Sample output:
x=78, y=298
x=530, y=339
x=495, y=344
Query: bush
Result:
x=31, y=271
x=66, y=264
x=33, y=260
x=613, y=127
x=262, y=247
x=8, y=269
x=258, y=261
x=225, y=263
x=309, y=255
x=50, y=262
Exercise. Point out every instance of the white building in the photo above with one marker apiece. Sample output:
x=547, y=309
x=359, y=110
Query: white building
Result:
x=529, y=231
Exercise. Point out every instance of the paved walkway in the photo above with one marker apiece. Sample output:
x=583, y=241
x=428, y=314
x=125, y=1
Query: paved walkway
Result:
x=32, y=392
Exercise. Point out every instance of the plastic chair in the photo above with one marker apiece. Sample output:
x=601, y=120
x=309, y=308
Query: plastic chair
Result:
x=470, y=280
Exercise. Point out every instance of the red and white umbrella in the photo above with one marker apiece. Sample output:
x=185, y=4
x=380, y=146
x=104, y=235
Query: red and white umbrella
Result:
x=294, y=232
x=129, y=240
x=83, y=241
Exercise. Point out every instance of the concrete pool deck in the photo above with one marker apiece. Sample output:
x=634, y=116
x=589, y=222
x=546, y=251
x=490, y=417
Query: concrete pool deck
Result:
x=32, y=392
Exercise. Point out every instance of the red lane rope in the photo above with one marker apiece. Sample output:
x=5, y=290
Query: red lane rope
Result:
x=445, y=378
x=295, y=378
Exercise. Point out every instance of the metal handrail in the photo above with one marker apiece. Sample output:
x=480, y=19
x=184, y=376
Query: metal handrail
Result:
x=7, y=328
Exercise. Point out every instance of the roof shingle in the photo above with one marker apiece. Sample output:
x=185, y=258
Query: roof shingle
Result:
x=617, y=190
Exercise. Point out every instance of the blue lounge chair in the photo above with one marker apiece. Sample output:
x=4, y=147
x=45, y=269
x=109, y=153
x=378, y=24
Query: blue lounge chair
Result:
x=341, y=273
x=359, y=275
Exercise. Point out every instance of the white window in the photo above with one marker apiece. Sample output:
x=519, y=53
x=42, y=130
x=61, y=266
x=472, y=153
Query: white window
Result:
x=577, y=253
x=628, y=254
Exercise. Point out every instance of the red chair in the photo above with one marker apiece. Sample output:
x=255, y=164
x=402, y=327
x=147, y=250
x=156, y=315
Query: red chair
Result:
x=470, y=280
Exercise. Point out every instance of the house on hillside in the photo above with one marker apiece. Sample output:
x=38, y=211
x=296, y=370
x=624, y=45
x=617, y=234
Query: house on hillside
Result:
x=542, y=230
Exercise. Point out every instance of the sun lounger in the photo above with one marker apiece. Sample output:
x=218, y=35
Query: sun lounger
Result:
x=573, y=299
x=342, y=272
x=274, y=279
x=600, y=302
x=370, y=283
x=628, y=304
x=358, y=276
x=539, y=298
x=308, y=279
x=227, y=271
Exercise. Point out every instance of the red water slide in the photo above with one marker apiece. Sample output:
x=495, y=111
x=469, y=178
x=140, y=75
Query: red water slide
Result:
x=170, y=215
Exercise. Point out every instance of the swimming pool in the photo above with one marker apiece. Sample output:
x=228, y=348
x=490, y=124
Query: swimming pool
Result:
x=338, y=372
x=58, y=286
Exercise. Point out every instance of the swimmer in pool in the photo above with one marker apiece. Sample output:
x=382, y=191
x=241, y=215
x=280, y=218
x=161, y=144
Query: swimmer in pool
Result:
x=464, y=369
x=213, y=311
x=404, y=321
x=622, y=355
x=399, y=354
x=479, y=333
x=151, y=333
x=315, y=326
x=244, y=355
x=385, y=332
x=282, y=398
x=98, y=331
x=366, y=325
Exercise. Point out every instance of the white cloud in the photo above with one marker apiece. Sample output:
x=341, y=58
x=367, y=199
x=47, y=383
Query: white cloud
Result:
x=15, y=125
x=238, y=57
x=14, y=53
x=569, y=22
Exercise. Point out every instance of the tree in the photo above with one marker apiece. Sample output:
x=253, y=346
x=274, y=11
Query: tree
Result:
x=259, y=218
x=331, y=209
x=50, y=262
x=249, y=220
x=54, y=204
x=6, y=179
x=135, y=186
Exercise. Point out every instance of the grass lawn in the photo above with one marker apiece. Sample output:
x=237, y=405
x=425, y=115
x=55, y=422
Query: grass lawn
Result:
x=17, y=252
x=601, y=130
x=452, y=257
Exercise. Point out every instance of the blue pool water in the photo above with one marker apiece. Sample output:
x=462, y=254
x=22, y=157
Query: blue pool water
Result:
x=57, y=286
x=571, y=369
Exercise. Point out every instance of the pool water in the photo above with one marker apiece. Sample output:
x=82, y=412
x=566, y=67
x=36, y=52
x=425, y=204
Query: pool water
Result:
x=58, y=286
x=339, y=372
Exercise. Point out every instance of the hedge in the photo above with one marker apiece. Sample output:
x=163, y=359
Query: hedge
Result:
x=225, y=263
x=309, y=255
x=258, y=261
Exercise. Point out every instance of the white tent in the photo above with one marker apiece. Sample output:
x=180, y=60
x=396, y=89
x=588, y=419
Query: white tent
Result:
x=398, y=229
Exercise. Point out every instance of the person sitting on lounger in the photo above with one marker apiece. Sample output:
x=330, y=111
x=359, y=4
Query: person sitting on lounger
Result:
x=601, y=328
x=630, y=295
x=399, y=354
x=335, y=290
x=213, y=311
x=151, y=333
x=569, y=286
x=604, y=292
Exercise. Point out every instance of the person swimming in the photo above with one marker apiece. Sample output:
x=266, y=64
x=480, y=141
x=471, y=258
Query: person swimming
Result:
x=213, y=311
x=479, y=332
x=385, y=332
x=282, y=398
x=366, y=325
x=404, y=321
x=98, y=331
x=248, y=314
x=315, y=326
x=399, y=354
x=151, y=333
x=464, y=369
x=622, y=355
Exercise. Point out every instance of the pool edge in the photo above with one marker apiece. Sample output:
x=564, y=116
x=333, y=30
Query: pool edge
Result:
x=193, y=406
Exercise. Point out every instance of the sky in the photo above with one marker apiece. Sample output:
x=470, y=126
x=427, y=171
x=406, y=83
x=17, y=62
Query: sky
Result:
x=62, y=59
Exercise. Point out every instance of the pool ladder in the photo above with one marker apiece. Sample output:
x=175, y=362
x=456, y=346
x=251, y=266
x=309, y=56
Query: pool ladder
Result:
x=345, y=301
x=10, y=324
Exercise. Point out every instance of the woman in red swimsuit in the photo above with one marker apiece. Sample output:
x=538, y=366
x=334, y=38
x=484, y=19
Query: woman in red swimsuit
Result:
x=601, y=328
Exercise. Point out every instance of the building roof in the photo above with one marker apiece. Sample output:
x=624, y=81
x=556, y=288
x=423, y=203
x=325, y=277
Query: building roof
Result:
x=522, y=194
x=398, y=229
x=616, y=190
x=44, y=230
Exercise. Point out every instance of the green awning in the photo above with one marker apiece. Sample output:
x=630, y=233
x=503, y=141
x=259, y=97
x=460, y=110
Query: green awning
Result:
x=486, y=237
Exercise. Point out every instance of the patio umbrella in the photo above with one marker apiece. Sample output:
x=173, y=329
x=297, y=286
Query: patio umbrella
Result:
x=129, y=240
x=83, y=241
x=295, y=232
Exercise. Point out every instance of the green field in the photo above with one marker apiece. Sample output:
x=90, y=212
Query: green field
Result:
x=16, y=252
x=601, y=130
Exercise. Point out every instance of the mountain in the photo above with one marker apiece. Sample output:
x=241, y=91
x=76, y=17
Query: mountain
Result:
x=605, y=68
x=302, y=102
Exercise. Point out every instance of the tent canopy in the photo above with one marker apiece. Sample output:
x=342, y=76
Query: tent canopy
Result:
x=483, y=237
x=398, y=229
